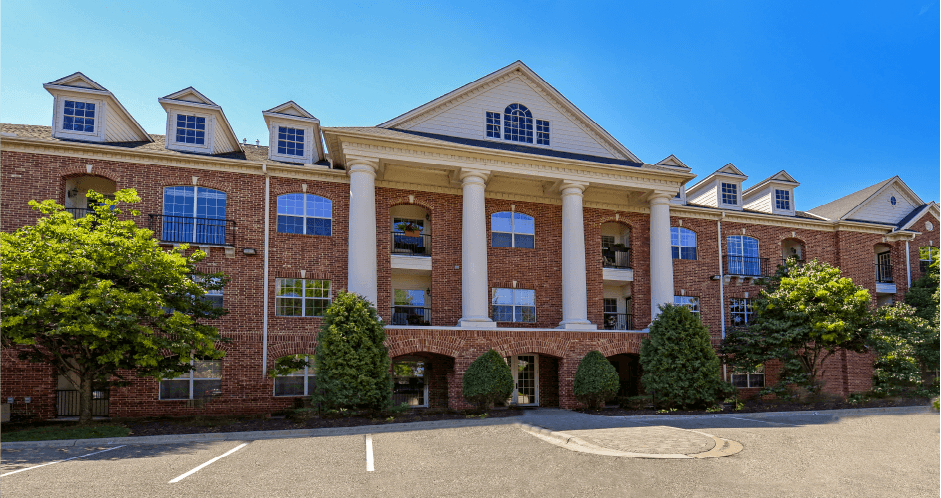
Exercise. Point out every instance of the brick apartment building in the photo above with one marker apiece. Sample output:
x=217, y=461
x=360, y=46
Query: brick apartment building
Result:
x=496, y=216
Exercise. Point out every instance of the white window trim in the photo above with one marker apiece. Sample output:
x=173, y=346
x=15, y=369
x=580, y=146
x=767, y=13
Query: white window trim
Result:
x=305, y=216
x=514, y=306
x=59, y=119
x=748, y=378
x=678, y=301
x=513, y=232
x=307, y=376
x=681, y=246
x=738, y=194
x=500, y=139
x=191, y=383
x=195, y=207
x=302, y=297
x=749, y=303
x=307, y=158
x=172, y=144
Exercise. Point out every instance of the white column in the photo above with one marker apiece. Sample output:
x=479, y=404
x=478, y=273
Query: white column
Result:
x=574, y=282
x=474, y=244
x=661, y=259
x=362, y=243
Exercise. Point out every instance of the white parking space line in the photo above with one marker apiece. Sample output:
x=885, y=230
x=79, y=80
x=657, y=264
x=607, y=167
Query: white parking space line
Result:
x=764, y=421
x=197, y=469
x=65, y=460
x=369, y=460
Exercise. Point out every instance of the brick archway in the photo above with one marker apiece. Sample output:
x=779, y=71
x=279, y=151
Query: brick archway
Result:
x=405, y=345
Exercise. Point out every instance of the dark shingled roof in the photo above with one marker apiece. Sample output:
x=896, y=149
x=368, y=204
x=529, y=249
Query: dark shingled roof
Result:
x=915, y=213
x=253, y=153
x=838, y=208
x=797, y=214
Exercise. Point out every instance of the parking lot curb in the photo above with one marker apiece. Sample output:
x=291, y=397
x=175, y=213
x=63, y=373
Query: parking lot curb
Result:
x=847, y=412
x=256, y=435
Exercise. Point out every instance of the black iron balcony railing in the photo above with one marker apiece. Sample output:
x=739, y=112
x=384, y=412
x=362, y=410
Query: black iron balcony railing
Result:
x=411, y=244
x=67, y=403
x=80, y=212
x=884, y=273
x=798, y=261
x=748, y=266
x=616, y=257
x=208, y=231
x=618, y=321
x=411, y=315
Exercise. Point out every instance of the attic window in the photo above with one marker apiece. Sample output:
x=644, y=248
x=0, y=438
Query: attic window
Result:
x=79, y=116
x=892, y=200
x=542, y=132
x=782, y=199
x=493, y=124
x=518, y=123
x=730, y=194
x=290, y=141
x=190, y=130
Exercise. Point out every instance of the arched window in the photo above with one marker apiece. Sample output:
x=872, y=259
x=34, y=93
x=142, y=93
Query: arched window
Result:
x=512, y=230
x=744, y=258
x=305, y=213
x=683, y=242
x=518, y=123
x=297, y=383
x=194, y=214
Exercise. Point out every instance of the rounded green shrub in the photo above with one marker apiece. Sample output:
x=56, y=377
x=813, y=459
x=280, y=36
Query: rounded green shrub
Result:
x=353, y=365
x=596, y=380
x=487, y=381
x=678, y=360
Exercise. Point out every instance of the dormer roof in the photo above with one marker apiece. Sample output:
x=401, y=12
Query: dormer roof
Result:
x=672, y=160
x=290, y=109
x=779, y=178
x=290, y=113
x=77, y=84
x=728, y=171
x=191, y=98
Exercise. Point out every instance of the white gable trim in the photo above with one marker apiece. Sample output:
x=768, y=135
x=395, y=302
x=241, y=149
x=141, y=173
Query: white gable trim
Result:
x=313, y=144
x=728, y=171
x=780, y=178
x=190, y=91
x=534, y=81
x=672, y=160
x=279, y=110
x=171, y=103
x=61, y=86
x=78, y=76
x=912, y=196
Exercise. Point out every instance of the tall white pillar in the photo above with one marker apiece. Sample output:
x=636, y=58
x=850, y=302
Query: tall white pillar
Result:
x=661, y=258
x=474, y=244
x=574, y=282
x=361, y=266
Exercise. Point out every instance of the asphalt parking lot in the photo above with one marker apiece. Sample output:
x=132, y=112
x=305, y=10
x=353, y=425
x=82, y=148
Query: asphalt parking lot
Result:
x=795, y=455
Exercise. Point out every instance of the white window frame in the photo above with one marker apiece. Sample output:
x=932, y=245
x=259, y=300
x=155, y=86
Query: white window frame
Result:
x=738, y=191
x=59, y=124
x=205, y=148
x=760, y=370
x=693, y=303
x=789, y=195
x=499, y=136
x=680, y=247
x=277, y=204
x=513, y=231
x=191, y=377
x=302, y=297
x=748, y=313
x=211, y=293
x=309, y=146
x=502, y=138
x=194, y=216
x=513, y=305
x=308, y=371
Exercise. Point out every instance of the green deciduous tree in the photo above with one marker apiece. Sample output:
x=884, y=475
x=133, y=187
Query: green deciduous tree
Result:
x=353, y=366
x=487, y=380
x=89, y=296
x=678, y=360
x=596, y=380
x=907, y=348
x=805, y=314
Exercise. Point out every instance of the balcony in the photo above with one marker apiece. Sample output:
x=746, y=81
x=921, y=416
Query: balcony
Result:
x=616, y=257
x=747, y=266
x=618, y=321
x=884, y=273
x=199, y=231
x=411, y=244
x=80, y=212
x=411, y=315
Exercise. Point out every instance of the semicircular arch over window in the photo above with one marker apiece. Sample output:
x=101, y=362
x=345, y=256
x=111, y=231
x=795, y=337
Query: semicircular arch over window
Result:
x=518, y=123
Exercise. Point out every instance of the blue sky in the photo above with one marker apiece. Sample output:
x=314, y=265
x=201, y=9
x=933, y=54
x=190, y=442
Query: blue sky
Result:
x=840, y=94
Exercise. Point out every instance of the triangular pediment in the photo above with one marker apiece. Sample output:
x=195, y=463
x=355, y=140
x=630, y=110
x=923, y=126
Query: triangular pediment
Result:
x=889, y=204
x=290, y=108
x=672, y=160
x=730, y=169
x=78, y=80
x=190, y=94
x=783, y=176
x=462, y=113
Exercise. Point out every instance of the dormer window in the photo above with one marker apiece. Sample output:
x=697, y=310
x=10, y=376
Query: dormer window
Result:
x=517, y=125
x=78, y=116
x=290, y=141
x=190, y=129
x=782, y=199
x=730, y=194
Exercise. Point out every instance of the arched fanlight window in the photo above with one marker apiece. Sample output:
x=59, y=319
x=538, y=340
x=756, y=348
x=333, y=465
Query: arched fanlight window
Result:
x=518, y=123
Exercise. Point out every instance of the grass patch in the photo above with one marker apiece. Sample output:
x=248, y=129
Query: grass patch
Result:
x=65, y=432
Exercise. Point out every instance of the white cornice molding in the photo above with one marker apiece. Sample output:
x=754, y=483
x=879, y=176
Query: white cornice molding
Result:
x=776, y=220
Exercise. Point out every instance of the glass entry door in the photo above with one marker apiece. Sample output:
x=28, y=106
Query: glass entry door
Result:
x=525, y=369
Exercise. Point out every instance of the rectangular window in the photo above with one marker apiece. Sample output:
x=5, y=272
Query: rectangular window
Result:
x=203, y=381
x=410, y=308
x=300, y=297
x=926, y=256
x=213, y=297
x=690, y=302
x=730, y=194
x=740, y=311
x=298, y=383
x=682, y=243
x=290, y=141
x=190, y=130
x=514, y=305
x=78, y=116
x=755, y=378
x=782, y=199
x=408, y=384
x=542, y=132
x=493, y=124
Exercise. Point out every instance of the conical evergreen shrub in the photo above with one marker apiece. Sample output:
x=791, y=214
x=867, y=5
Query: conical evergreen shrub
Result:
x=679, y=362
x=353, y=365
x=596, y=380
x=487, y=380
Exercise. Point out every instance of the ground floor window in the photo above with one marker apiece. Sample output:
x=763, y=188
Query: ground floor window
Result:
x=297, y=383
x=408, y=383
x=203, y=381
x=755, y=378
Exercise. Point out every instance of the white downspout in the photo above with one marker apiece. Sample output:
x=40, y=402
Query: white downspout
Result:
x=721, y=278
x=264, y=314
x=908, y=264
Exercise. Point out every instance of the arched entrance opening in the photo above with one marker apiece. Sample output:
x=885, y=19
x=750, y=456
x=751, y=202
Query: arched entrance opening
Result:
x=420, y=380
x=629, y=372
